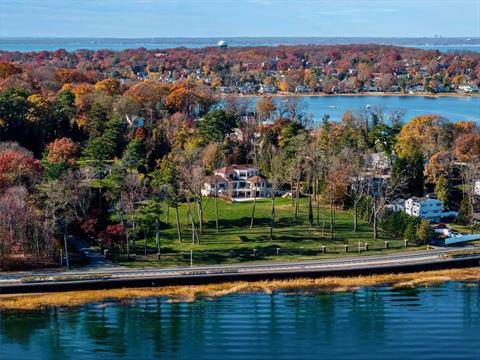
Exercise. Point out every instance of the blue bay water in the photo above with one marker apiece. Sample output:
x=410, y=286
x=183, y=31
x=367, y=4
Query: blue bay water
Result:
x=72, y=44
x=435, y=323
x=454, y=108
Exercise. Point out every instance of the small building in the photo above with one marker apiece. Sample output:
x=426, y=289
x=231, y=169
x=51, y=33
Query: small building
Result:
x=267, y=89
x=477, y=187
x=464, y=88
x=300, y=89
x=246, y=88
x=443, y=230
x=415, y=89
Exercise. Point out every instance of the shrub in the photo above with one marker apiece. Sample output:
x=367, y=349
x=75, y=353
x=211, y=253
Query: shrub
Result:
x=112, y=235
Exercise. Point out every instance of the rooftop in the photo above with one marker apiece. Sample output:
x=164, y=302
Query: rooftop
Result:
x=231, y=168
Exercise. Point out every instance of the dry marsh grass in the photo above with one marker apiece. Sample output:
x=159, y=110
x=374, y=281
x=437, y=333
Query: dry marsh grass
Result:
x=190, y=293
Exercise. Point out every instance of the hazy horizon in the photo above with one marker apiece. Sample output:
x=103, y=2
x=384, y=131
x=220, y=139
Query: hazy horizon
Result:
x=439, y=38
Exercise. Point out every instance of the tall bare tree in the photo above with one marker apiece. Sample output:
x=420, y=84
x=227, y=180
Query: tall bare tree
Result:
x=470, y=175
x=192, y=173
x=276, y=179
x=357, y=189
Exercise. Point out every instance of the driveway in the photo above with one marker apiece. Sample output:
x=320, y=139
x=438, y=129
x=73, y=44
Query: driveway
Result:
x=97, y=260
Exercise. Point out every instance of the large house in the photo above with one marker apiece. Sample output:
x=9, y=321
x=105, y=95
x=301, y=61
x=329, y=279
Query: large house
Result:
x=427, y=208
x=236, y=182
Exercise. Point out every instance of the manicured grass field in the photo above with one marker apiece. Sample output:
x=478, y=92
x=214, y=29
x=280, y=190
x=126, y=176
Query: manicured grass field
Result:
x=237, y=242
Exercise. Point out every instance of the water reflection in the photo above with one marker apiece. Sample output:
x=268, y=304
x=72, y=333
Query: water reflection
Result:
x=377, y=323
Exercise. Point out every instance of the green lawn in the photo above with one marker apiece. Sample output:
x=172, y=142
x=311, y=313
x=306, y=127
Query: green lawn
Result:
x=235, y=242
x=463, y=229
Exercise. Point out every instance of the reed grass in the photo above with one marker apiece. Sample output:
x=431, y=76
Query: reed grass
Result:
x=191, y=293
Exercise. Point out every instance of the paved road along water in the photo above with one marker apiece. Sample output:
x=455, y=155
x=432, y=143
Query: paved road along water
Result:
x=439, y=322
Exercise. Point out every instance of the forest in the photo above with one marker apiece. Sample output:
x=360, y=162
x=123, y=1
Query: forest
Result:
x=89, y=149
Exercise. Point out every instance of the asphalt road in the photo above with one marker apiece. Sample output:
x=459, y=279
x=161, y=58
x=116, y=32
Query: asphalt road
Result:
x=307, y=266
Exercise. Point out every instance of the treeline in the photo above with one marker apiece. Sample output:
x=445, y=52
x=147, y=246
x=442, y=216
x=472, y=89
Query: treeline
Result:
x=322, y=68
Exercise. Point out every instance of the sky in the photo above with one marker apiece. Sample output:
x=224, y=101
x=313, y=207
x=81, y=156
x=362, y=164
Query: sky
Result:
x=229, y=18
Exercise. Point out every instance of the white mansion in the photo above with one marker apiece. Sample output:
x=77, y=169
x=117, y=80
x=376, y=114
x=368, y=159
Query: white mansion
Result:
x=236, y=182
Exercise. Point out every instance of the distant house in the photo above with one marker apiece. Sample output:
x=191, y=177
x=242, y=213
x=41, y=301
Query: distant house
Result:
x=477, y=187
x=237, y=182
x=303, y=89
x=464, y=88
x=267, y=89
x=394, y=88
x=378, y=162
x=246, y=88
x=415, y=89
x=427, y=208
x=371, y=88
x=441, y=89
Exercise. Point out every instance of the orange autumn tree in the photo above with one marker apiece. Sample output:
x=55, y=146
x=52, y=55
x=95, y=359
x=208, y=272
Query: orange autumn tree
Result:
x=439, y=164
x=190, y=97
x=109, y=86
x=7, y=69
x=265, y=107
x=467, y=147
x=149, y=93
x=84, y=94
x=463, y=127
x=66, y=76
x=64, y=149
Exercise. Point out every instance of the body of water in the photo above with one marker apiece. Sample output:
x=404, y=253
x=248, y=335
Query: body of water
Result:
x=378, y=323
x=454, y=108
x=72, y=44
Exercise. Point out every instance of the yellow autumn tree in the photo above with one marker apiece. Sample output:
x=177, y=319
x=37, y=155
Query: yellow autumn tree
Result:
x=37, y=107
x=424, y=134
x=109, y=85
x=283, y=85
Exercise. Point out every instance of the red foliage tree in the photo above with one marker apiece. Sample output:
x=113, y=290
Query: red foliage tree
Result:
x=17, y=166
x=112, y=235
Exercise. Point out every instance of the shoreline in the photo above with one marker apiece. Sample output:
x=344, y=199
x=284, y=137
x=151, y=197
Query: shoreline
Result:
x=191, y=293
x=361, y=94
